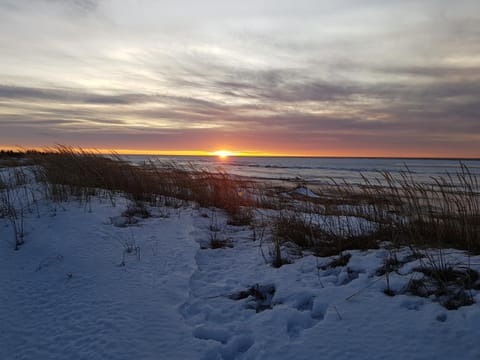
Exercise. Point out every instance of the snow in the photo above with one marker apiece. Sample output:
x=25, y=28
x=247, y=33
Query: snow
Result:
x=304, y=191
x=66, y=293
x=88, y=285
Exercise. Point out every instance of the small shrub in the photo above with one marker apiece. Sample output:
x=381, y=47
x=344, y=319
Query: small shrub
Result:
x=12, y=207
x=325, y=236
x=220, y=243
x=130, y=247
x=137, y=209
x=243, y=217
x=292, y=227
x=450, y=285
x=259, y=297
x=276, y=253
x=340, y=261
x=450, y=294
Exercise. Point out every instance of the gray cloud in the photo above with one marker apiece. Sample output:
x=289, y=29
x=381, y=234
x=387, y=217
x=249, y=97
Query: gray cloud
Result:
x=16, y=92
x=67, y=95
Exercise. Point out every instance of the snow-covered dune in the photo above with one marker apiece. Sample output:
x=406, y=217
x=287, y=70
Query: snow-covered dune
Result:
x=82, y=288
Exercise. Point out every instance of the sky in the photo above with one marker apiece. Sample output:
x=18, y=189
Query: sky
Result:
x=303, y=77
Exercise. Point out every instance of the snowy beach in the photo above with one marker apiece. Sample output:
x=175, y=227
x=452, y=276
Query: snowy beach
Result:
x=239, y=180
x=64, y=295
x=101, y=279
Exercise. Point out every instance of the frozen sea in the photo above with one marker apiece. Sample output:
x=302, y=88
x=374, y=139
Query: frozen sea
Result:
x=322, y=170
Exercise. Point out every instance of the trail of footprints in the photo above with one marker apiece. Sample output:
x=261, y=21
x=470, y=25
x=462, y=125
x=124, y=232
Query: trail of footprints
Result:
x=230, y=333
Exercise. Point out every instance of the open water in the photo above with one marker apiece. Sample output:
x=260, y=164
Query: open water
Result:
x=321, y=170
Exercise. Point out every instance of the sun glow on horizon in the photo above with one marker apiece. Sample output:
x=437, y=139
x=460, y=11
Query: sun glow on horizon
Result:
x=223, y=154
x=132, y=151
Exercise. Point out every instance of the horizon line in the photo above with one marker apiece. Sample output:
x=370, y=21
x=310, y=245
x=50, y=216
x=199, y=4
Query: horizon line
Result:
x=134, y=152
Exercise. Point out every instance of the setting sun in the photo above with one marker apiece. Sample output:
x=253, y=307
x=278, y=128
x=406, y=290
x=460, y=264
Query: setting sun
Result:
x=223, y=154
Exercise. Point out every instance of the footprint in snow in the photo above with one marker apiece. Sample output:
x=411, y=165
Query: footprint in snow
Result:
x=50, y=261
x=306, y=311
x=413, y=304
x=347, y=276
x=237, y=346
x=212, y=333
x=298, y=322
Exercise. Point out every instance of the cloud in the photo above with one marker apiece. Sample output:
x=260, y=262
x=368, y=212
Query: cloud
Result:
x=16, y=92
x=69, y=95
x=290, y=73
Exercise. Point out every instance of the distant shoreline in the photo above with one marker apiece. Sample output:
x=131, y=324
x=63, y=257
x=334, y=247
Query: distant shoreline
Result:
x=16, y=153
x=310, y=157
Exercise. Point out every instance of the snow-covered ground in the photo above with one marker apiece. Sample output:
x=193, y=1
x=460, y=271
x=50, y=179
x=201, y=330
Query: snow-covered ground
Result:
x=82, y=287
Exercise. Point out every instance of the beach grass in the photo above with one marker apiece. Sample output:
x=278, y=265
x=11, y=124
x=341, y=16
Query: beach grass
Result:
x=400, y=210
x=391, y=212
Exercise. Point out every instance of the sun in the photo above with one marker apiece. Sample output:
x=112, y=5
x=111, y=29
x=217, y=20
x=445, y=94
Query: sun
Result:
x=223, y=154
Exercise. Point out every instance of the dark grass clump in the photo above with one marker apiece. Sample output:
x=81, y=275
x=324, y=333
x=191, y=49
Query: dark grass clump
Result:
x=450, y=287
x=259, y=297
x=15, y=202
x=323, y=237
x=220, y=244
x=340, y=261
x=291, y=227
x=137, y=209
x=278, y=260
x=14, y=158
x=392, y=263
x=243, y=217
